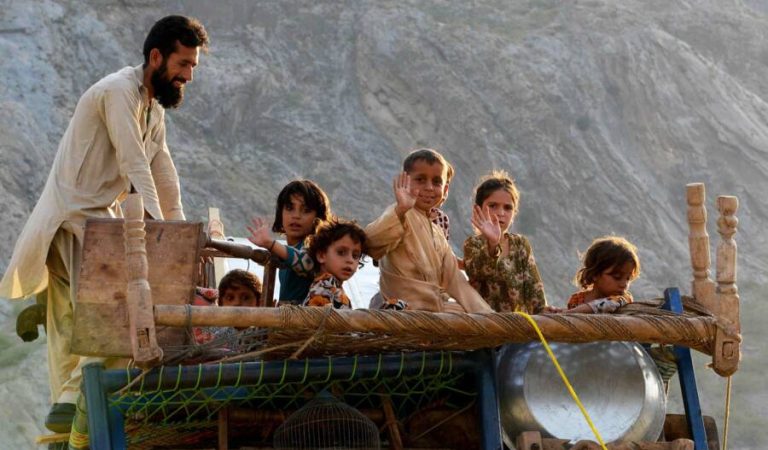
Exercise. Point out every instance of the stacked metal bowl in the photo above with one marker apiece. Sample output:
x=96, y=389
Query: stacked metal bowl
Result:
x=617, y=382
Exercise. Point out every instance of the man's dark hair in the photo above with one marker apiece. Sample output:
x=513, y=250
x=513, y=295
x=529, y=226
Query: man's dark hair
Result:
x=171, y=29
x=314, y=198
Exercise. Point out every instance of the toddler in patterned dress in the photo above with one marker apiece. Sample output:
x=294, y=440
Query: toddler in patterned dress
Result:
x=337, y=248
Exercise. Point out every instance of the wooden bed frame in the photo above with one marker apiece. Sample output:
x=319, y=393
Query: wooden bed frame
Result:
x=137, y=282
x=131, y=296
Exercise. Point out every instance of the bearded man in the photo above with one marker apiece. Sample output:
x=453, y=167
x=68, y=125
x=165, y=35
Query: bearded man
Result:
x=114, y=145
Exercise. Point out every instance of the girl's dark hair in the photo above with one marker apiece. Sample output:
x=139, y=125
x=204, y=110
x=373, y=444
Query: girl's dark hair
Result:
x=604, y=253
x=431, y=157
x=331, y=231
x=164, y=34
x=314, y=199
x=239, y=277
x=497, y=179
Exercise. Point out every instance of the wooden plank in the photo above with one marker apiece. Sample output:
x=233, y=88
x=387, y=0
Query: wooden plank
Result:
x=676, y=427
x=101, y=315
x=529, y=440
x=223, y=429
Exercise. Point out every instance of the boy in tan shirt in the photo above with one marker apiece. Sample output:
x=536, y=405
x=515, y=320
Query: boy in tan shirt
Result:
x=415, y=260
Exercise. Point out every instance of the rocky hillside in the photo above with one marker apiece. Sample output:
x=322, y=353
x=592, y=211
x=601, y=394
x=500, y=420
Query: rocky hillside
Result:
x=601, y=109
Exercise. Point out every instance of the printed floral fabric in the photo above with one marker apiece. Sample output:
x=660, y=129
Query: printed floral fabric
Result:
x=299, y=261
x=508, y=283
x=394, y=304
x=295, y=275
x=326, y=290
x=440, y=218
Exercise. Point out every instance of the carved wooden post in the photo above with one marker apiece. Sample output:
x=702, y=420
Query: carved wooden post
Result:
x=703, y=288
x=146, y=352
x=727, y=345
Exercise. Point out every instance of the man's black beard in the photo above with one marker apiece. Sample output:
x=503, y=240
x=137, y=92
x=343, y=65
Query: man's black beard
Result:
x=165, y=92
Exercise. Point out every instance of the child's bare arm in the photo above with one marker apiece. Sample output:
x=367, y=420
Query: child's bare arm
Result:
x=261, y=236
x=403, y=196
x=599, y=306
x=584, y=308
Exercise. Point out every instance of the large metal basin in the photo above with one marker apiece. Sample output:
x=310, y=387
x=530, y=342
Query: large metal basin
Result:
x=617, y=382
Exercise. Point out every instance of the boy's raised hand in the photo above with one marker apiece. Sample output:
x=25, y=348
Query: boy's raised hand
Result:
x=260, y=234
x=403, y=196
x=487, y=224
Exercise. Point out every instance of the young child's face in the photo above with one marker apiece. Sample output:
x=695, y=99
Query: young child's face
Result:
x=238, y=295
x=614, y=281
x=298, y=220
x=430, y=181
x=499, y=203
x=342, y=258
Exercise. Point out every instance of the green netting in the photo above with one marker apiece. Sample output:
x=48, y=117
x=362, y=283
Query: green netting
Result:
x=152, y=414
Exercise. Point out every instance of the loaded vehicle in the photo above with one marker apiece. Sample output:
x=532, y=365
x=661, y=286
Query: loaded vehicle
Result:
x=297, y=377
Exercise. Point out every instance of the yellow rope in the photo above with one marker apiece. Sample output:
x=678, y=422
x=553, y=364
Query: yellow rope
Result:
x=565, y=379
x=727, y=412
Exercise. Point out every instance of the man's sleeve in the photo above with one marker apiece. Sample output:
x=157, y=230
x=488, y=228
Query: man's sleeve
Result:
x=166, y=179
x=121, y=116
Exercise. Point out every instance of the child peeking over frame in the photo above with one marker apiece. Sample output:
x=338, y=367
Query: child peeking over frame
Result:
x=609, y=266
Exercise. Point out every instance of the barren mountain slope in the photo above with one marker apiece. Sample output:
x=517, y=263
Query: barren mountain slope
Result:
x=601, y=110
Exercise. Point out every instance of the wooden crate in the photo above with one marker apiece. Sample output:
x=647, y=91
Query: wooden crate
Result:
x=101, y=316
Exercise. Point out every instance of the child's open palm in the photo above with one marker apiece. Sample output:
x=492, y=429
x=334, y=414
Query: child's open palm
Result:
x=403, y=195
x=487, y=224
x=260, y=234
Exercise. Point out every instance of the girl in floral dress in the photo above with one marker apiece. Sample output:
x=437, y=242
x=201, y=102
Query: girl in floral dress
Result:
x=500, y=265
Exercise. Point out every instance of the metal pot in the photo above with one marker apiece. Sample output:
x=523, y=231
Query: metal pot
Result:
x=617, y=382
